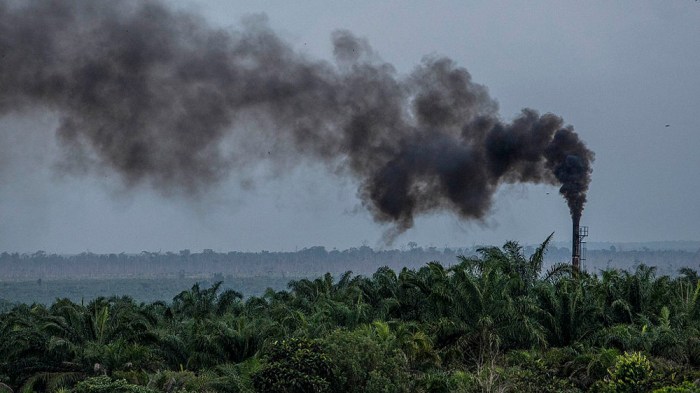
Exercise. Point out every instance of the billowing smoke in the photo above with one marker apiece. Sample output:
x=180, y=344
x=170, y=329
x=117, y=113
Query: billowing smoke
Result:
x=163, y=99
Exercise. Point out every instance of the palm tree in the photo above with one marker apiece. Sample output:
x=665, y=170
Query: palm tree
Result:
x=570, y=311
x=381, y=293
x=483, y=305
x=27, y=357
x=511, y=261
x=106, y=335
x=200, y=303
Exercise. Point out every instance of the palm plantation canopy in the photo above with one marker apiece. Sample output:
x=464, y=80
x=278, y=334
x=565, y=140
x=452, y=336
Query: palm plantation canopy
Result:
x=496, y=322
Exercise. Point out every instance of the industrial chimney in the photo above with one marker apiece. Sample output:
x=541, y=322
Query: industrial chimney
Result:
x=577, y=244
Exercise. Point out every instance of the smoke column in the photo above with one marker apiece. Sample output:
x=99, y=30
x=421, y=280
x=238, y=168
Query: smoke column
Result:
x=161, y=98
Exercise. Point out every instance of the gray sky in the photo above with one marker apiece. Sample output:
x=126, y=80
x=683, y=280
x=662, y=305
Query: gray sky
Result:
x=618, y=71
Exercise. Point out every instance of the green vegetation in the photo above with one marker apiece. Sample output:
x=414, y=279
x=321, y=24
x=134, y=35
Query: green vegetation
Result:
x=495, y=322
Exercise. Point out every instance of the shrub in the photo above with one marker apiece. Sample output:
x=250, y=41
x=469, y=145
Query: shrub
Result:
x=174, y=381
x=105, y=384
x=632, y=373
x=224, y=378
x=363, y=361
x=686, y=387
x=294, y=366
x=531, y=371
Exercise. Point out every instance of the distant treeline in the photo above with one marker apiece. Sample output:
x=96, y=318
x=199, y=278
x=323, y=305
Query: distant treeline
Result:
x=311, y=261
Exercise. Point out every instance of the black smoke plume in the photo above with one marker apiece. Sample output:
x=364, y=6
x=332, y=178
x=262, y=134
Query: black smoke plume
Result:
x=163, y=99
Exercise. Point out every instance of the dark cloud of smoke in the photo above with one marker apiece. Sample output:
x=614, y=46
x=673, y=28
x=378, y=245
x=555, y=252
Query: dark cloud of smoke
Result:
x=163, y=99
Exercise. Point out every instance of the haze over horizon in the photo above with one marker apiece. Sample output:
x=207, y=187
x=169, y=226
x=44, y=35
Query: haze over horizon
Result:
x=626, y=78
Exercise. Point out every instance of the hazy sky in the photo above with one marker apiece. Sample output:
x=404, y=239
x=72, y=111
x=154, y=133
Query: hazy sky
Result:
x=620, y=72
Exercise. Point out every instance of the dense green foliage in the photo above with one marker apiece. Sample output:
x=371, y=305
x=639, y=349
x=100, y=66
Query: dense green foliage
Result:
x=492, y=323
x=104, y=384
x=294, y=366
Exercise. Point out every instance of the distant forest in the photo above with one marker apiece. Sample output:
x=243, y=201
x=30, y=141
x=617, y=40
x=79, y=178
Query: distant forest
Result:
x=308, y=262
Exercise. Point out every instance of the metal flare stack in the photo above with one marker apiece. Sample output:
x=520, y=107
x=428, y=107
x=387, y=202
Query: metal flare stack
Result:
x=577, y=245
